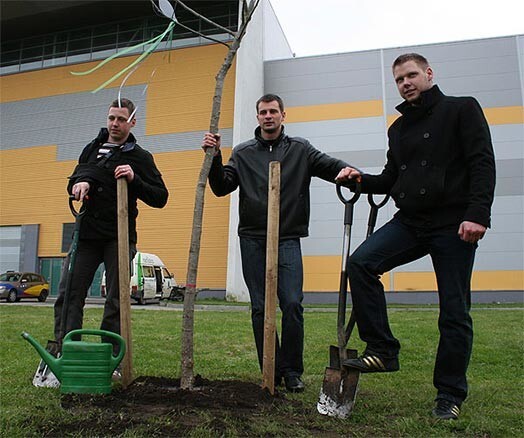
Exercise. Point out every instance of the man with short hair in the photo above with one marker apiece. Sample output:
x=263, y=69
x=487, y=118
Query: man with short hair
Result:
x=440, y=171
x=113, y=154
x=248, y=169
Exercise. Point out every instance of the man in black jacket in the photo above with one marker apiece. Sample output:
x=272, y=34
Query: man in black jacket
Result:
x=113, y=154
x=248, y=169
x=440, y=171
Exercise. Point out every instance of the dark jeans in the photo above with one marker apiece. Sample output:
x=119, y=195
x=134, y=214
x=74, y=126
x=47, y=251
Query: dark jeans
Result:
x=89, y=255
x=396, y=244
x=289, y=360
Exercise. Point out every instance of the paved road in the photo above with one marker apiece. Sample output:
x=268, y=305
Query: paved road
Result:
x=177, y=306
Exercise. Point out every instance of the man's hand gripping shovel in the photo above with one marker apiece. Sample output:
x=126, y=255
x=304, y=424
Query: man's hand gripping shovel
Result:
x=340, y=385
x=43, y=377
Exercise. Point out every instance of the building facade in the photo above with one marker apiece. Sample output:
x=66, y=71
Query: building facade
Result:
x=343, y=103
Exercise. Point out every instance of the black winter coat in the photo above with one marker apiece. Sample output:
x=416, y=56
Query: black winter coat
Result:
x=440, y=167
x=100, y=221
x=248, y=169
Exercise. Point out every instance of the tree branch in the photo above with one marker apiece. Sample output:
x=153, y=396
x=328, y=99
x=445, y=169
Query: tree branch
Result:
x=225, y=29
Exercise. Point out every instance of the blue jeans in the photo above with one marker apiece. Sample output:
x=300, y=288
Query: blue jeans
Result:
x=289, y=353
x=396, y=244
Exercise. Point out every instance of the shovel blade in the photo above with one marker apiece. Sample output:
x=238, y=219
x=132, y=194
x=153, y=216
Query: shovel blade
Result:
x=44, y=377
x=338, y=392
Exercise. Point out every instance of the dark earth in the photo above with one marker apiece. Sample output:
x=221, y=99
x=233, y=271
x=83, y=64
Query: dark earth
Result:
x=156, y=406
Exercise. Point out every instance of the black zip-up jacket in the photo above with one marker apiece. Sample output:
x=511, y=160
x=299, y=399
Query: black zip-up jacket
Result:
x=440, y=167
x=248, y=169
x=100, y=221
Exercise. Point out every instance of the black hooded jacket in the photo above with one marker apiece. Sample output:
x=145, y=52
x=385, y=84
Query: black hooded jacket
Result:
x=100, y=221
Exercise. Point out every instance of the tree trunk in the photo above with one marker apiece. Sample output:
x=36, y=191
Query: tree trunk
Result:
x=187, y=364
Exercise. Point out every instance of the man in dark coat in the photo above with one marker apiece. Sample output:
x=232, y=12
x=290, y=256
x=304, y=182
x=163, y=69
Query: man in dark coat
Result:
x=440, y=171
x=113, y=154
x=248, y=169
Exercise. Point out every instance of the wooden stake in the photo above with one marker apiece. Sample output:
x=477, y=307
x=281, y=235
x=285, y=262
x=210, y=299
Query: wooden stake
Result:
x=273, y=216
x=123, y=279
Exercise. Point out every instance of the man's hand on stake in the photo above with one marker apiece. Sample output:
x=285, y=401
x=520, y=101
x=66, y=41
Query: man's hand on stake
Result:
x=125, y=171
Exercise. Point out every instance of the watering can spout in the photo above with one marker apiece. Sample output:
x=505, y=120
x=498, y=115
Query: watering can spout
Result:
x=47, y=357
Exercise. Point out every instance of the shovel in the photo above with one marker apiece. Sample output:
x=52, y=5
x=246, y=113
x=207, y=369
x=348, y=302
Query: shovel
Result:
x=44, y=378
x=339, y=388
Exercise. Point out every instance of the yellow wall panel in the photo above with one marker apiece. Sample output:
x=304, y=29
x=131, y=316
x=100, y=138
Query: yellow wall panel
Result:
x=505, y=115
x=322, y=274
x=413, y=281
x=497, y=280
x=33, y=191
x=495, y=116
x=333, y=111
x=59, y=80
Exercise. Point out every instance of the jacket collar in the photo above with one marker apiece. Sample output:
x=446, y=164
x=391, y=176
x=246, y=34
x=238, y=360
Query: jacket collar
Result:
x=267, y=143
x=428, y=99
x=129, y=145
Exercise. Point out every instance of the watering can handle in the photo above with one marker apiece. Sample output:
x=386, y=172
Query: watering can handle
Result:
x=115, y=359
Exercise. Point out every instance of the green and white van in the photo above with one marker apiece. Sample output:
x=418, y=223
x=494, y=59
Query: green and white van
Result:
x=150, y=279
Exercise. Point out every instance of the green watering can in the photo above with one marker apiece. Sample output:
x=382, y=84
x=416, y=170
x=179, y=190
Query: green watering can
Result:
x=83, y=367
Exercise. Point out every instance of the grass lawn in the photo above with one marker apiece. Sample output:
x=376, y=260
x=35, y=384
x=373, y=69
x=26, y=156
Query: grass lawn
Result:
x=396, y=404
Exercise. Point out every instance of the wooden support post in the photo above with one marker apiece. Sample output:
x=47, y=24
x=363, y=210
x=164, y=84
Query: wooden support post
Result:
x=123, y=279
x=273, y=217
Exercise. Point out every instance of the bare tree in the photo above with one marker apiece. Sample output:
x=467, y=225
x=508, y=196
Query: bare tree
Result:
x=187, y=376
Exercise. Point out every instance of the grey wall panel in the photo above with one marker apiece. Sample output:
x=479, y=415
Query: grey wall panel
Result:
x=10, y=248
x=508, y=205
x=342, y=62
x=69, y=120
x=457, y=51
x=486, y=69
x=183, y=141
x=510, y=223
x=500, y=261
x=29, y=248
x=509, y=186
x=325, y=79
x=508, y=133
x=328, y=79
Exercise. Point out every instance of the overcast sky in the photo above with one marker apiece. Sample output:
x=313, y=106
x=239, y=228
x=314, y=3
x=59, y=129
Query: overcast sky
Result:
x=315, y=27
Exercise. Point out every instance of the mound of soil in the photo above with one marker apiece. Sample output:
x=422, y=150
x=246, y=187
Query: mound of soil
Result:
x=156, y=406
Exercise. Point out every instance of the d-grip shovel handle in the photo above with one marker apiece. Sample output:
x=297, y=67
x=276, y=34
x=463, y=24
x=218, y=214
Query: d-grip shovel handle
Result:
x=76, y=213
x=373, y=212
x=115, y=360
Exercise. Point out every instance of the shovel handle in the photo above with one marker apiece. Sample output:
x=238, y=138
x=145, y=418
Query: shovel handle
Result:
x=373, y=212
x=76, y=213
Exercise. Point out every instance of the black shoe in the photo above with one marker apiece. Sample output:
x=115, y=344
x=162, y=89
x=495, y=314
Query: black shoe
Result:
x=372, y=363
x=446, y=410
x=294, y=384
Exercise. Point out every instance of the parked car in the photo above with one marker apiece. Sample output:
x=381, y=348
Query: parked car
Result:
x=150, y=279
x=17, y=285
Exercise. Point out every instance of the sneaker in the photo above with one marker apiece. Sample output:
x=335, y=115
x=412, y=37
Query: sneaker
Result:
x=446, y=410
x=294, y=384
x=372, y=363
